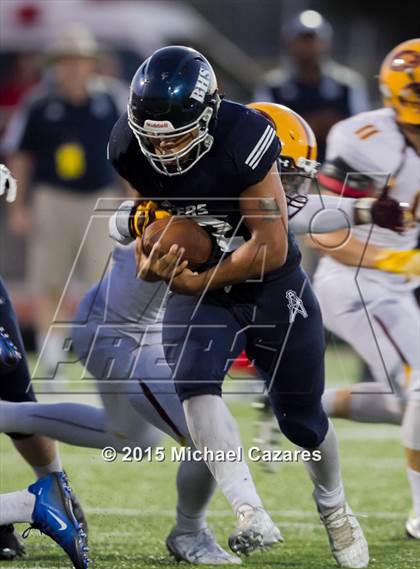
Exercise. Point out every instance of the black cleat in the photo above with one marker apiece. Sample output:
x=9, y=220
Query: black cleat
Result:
x=78, y=510
x=10, y=544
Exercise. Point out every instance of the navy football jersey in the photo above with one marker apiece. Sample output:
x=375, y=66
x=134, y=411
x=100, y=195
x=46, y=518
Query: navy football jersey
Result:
x=244, y=149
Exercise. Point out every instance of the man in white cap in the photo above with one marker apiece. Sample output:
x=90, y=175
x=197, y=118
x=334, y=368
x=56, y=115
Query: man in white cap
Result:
x=57, y=145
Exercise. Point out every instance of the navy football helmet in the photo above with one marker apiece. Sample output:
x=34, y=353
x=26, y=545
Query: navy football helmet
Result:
x=174, y=97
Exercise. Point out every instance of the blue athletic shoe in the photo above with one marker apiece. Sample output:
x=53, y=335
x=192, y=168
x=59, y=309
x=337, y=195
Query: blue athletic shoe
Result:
x=53, y=515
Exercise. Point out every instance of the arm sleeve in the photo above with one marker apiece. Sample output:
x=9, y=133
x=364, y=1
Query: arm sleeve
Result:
x=323, y=214
x=255, y=149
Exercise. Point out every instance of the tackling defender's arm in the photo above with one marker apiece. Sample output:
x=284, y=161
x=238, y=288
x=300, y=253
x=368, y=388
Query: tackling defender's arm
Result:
x=327, y=213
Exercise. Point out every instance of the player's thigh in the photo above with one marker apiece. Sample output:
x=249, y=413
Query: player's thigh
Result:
x=15, y=383
x=201, y=340
x=133, y=379
x=136, y=386
x=126, y=421
x=157, y=400
x=382, y=325
x=289, y=349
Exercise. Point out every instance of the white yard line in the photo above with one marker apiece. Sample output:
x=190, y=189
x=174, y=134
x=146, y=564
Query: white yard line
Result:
x=297, y=514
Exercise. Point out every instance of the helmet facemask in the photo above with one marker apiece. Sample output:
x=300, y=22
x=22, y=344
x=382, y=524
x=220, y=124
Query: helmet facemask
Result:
x=173, y=163
x=297, y=176
x=173, y=107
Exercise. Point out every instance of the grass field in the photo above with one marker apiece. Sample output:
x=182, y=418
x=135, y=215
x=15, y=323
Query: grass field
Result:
x=130, y=505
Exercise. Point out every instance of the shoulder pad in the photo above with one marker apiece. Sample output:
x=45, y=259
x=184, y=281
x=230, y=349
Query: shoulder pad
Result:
x=338, y=177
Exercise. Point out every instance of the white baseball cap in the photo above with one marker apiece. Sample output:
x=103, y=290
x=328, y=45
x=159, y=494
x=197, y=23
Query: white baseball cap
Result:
x=308, y=22
x=75, y=40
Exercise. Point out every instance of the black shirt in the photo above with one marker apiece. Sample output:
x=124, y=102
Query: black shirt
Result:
x=68, y=142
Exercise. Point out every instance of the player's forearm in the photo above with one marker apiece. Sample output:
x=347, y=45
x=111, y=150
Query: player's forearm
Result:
x=264, y=210
x=323, y=215
x=347, y=251
x=252, y=260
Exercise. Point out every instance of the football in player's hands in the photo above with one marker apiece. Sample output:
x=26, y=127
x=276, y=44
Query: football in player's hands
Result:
x=180, y=231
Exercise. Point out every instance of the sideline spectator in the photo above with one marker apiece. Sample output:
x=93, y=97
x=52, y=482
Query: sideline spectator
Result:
x=310, y=82
x=57, y=145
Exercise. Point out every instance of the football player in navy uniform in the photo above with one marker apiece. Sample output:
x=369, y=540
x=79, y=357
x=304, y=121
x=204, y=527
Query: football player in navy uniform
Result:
x=49, y=500
x=198, y=155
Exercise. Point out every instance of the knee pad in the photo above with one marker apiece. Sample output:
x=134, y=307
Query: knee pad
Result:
x=304, y=426
x=411, y=423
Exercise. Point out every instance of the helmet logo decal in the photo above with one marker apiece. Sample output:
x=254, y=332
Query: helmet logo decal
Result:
x=202, y=85
x=161, y=126
x=405, y=61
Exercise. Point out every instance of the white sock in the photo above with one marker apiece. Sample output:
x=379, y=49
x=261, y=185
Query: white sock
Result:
x=16, y=507
x=196, y=486
x=54, y=466
x=325, y=474
x=368, y=403
x=414, y=479
x=212, y=427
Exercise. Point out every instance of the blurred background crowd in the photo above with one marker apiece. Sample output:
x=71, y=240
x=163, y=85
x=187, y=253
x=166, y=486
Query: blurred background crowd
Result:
x=65, y=67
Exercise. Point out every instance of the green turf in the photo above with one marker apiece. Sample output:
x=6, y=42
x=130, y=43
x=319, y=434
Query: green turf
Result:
x=130, y=505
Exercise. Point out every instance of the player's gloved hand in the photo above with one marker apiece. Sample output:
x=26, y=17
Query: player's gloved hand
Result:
x=8, y=184
x=384, y=211
x=131, y=219
x=405, y=263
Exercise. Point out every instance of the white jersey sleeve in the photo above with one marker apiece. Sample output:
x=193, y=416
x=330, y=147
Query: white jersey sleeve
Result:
x=362, y=143
x=371, y=146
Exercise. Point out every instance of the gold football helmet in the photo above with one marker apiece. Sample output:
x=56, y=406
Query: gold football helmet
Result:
x=399, y=81
x=298, y=153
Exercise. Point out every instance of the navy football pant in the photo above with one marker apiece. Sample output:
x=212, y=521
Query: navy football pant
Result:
x=278, y=323
x=15, y=383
